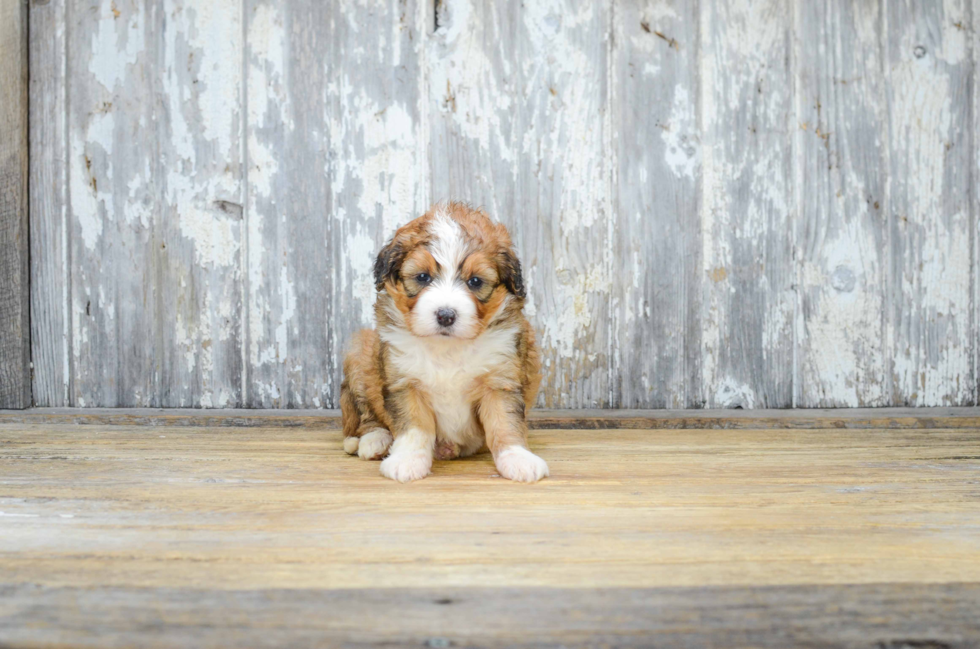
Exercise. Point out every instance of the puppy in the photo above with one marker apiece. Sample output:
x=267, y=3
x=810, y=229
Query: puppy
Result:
x=452, y=366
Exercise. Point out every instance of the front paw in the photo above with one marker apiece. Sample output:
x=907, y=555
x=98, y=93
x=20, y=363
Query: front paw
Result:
x=520, y=465
x=374, y=444
x=406, y=466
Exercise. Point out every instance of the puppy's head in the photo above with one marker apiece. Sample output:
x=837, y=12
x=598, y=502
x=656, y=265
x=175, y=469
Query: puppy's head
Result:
x=450, y=272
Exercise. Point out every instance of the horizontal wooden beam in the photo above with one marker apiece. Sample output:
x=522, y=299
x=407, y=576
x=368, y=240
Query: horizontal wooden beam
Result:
x=15, y=355
x=857, y=418
x=889, y=616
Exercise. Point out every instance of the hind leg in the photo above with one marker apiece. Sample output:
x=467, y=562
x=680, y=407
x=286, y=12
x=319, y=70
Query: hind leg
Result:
x=366, y=425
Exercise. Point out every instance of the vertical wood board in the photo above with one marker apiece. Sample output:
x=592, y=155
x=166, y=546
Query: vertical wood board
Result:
x=929, y=71
x=335, y=164
x=49, y=230
x=656, y=260
x=154, y=168
x=748, y=308
x=840, y=179
x=15, y=379
x=519, y=119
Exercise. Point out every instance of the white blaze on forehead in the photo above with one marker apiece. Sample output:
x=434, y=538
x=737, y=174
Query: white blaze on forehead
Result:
x=448, y=244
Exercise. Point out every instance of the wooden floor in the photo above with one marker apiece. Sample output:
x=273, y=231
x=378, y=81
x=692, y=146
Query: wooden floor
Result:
x=114, y=534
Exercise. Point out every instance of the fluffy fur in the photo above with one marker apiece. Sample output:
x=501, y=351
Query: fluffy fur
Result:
x=452, y=366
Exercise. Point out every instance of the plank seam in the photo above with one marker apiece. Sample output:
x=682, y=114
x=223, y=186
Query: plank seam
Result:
x=243, y=257
x=67, y=238
x=887, y=276
x=27, y=202
x=974, y=198
x=612, y=195
x=796, y=394
x=958, y=418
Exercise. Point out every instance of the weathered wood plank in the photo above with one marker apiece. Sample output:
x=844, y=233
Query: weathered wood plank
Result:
x=15, y=353
x=748, y=308
x=656, y=271
x=975, y=195
x=50, y=261
x=842, y=239
x=271, y=508
x=155, y=194
x=565, y=419
x=885, y=616
x=929, y=70
x=519, y=118
x=336, y=163
x=642, y=154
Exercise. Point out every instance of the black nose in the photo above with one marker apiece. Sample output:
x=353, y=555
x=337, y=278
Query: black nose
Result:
x=446, y=317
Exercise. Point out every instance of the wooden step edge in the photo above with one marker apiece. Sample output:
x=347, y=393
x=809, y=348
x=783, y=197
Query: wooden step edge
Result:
x=857, y=418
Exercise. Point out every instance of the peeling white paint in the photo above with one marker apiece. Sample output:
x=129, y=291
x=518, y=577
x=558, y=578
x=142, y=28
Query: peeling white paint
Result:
x=522, y=120
x=91, y=176
x=932, y=364
x=680, y=136
x=731, y=393
x=361, y=251
x=116, y=45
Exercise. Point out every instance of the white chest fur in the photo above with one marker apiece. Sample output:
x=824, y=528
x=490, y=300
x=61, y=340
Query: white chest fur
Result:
x=447, y=368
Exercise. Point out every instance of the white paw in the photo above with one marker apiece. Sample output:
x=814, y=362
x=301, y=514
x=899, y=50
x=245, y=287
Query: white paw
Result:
x=406, y=466
x=521, y=465
x=374, y=445
x=350, y=445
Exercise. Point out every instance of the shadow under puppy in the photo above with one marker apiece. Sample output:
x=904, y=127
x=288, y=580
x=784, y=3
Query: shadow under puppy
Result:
x=452, y=366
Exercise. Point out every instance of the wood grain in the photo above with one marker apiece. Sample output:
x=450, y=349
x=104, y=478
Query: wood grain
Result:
x=850, y=418
x=840, y=175
x=717, y=204
x=154, y=167
x=929, y=72
x=975, y=203
x=882, y=616
x=269, y=536
x=657, y=260
x=335, y=165
x=748, y=308
x=49, y=228
x=241, y=508
x=15, y=377
x=518, y=115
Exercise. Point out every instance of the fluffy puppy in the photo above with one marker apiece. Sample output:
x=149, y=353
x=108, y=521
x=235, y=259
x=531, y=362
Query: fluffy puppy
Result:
x=452, y=366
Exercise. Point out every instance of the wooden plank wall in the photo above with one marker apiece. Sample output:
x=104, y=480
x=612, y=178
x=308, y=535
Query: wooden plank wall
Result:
x=15, y=378
x=764, y=203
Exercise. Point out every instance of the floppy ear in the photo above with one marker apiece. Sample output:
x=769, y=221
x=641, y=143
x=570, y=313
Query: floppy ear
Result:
x=509, y=271
x=388, y=263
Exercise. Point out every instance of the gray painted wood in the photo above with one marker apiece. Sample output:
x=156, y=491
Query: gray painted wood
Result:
x=758, y=204
x=15, y=380
x=928, y=74
x=49, y=228
x=975, y=203
x=842, y=235
x=747, y=216
x=154, y=169
x=656, y=258
x=336, y=163
x=519, y=120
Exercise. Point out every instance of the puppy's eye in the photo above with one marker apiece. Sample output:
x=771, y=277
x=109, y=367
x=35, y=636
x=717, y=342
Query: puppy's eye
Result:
x=423, y=278
x=475, y=283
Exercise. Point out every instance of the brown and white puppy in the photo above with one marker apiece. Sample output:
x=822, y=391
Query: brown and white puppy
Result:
x=452, y=366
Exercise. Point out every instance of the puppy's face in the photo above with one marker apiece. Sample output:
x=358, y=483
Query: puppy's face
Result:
x=450, y=273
